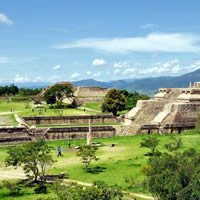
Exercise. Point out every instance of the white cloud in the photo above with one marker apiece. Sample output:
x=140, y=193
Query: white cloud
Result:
x=56, y=67
x=116, y=71
x=24, y=78
x=75, y=75
x=20, y=78
x=4, y=19
x=129, y=71
x=146, y=26
x=4, y=60
x=98, y=62
x=121, y=64
x=154, y=42
x=93, y=74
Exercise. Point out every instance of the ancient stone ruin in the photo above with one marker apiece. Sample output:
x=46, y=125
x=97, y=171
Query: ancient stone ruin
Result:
x=172, y=110
x=83, y=95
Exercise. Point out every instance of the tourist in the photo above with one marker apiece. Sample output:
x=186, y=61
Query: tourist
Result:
x=59, y=151
x=69, y=144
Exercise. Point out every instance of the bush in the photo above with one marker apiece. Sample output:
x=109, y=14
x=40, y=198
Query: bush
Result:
x=37, y=100
x=41, y=189
x=21, y=99
x=12, y=185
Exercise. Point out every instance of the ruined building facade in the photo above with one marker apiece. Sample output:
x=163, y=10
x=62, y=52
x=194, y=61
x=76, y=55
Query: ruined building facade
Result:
x=172, y=110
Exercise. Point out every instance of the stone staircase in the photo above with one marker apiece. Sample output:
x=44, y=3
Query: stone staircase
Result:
x=162, y=115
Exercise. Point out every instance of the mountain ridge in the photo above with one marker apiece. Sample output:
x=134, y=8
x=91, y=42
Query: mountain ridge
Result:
x=148, y=85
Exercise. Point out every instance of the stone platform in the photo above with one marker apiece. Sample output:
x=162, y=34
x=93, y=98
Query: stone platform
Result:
x=172, y=110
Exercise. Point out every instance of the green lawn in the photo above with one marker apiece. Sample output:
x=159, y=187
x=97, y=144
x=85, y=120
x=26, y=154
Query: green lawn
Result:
x=95, y=106
x=116, y=163
x=21, y=108
x=7, y=120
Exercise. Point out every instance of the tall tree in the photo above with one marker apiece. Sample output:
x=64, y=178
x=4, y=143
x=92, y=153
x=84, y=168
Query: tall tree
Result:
x=58, y=92
x=113, y=102
x=34, y=157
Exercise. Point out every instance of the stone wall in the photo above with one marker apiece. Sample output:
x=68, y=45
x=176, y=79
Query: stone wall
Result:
x=86, y=100
x=79, y=132
x=20, y=134
x=71, y=120
x=167, y=128
x=14, y=134
x=90, y=92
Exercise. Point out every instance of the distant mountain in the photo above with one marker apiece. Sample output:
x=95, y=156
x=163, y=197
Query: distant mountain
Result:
x=92, y=83
x=146, y=85
x=31, y=85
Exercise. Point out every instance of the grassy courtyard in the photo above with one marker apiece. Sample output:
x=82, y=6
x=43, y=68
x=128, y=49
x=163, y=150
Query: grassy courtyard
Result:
x=116, y=163
x=25, y=109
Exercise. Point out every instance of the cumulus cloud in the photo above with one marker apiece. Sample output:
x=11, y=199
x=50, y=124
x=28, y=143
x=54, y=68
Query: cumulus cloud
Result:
x=24, y=78
x=129, y=71
x=98, y=62
x=75, y=75
x=154, y=42
x=121, y=64
x=116, y=71
x=21, y=78
x=4, y=60
x=93, y=74
x=4, y=19
x=56, y=67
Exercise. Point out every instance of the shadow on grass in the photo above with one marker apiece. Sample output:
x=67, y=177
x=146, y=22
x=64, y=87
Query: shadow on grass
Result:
x=96, y=170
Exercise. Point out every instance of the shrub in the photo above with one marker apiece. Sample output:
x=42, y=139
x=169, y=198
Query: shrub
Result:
x=21, y=99
x=12, y=185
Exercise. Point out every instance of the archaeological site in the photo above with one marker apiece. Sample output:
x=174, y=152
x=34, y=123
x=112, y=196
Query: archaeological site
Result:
x=172, y=110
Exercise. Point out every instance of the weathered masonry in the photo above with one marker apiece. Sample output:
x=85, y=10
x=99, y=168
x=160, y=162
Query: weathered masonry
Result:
x=72, y=120
x=172, y=110
x=22, y=134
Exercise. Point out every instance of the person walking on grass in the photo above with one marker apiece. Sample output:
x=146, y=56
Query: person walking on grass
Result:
x=59, y=151
x=69, y=144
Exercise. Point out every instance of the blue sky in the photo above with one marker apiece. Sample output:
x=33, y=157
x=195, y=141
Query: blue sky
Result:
x=105, y=40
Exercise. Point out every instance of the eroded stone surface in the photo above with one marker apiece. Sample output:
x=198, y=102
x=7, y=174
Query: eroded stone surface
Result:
x=171, y=110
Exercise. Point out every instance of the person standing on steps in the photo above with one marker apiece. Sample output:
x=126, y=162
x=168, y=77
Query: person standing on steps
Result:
x=59, y=151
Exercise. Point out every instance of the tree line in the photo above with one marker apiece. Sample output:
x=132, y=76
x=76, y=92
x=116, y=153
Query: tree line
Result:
x=14, y=90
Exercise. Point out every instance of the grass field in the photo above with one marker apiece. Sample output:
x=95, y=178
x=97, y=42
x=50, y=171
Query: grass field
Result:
x=94, y=106
x=97, y=106
x=22, y=109
x=7, y=120
x=116, y=163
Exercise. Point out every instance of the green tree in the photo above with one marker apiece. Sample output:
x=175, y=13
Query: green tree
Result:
x=174, y=145
x=113, y=102
x=173, y=175
x=58, y=92
x=34, y=157
x=87, y=154
x=49, y=97
x=150, y=143
x=132, y=98
x=74, y=191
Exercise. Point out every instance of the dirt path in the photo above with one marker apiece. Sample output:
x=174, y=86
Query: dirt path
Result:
x=8, y=113
x=11, y=173
x=128, y=193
